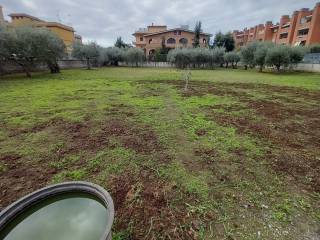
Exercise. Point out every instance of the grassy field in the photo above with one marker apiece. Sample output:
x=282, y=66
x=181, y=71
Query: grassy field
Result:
x=237, y=156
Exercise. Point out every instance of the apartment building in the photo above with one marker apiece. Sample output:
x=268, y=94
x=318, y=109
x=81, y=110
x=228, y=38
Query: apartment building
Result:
x=153, y=37
x=300, y=29
x=66, y=33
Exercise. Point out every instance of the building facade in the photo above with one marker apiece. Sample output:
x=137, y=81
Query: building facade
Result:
x=302, y=28
x=154, y=37
x=66, y=33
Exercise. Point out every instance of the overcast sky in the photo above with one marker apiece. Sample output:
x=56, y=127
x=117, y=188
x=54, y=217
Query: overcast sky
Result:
x=103, y=20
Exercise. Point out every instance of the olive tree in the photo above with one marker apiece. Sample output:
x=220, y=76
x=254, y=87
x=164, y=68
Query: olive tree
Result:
x=27, y=46
x=231, y=58
x=115, y=55
x=247, y=55
x=216, y=56
x=134, y=56
x=260, y=54
x=297, y=54
x=278, y=56
x=88, y=52
x=52, y=49
x=103, y=59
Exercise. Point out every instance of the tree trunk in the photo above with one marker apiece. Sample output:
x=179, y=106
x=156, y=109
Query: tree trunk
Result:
x=261, y=68
x=227, y=64
x=88, y=64
x=54, y=67
x=24, y=67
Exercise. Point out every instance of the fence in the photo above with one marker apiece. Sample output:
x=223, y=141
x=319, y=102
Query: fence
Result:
x=149, y=64
x=312, y=58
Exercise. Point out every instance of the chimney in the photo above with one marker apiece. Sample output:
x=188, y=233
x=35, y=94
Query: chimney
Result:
x=1, y=15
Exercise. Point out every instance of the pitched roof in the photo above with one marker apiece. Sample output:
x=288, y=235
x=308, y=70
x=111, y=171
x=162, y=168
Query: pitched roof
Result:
x=25, y=15
x=55, y=24
x=42, y=23
x=174, y=29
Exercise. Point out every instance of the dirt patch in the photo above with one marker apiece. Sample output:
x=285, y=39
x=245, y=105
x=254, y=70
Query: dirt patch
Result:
x=290, y=127
x=144, y=200
x=292, y=133
x=20, y=179
x=78, y=137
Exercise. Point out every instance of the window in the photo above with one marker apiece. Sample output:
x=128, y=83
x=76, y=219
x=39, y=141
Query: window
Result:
x=283, y=35
x=285, y=26
x=141, y=39
x=305, y=20
x=171, y=41
x=177, y=32
x=303, y=32
x=150, y=41
x=183, y=41
x=204, y=41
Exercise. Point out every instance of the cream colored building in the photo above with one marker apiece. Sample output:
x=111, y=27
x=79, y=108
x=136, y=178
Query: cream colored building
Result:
x=66, y=33
x=151, y=38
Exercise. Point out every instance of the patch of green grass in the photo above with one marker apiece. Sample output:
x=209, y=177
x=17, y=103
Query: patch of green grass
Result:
x=188, y=182
x=75, y=175
x=113, y=161
x=214, y=169
x=3, y=168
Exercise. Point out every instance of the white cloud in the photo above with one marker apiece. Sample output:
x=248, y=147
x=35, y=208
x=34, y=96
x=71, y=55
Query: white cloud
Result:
x=104, y=20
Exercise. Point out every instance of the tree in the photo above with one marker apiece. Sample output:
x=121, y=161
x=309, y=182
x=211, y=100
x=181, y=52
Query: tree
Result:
x=86, y=52
x=216, y=56
x=182, y=58
x=278, y=56
x=297, y=54
x=247, y=55
x=27, y=46
x=233, y=58
x=197, y=33
x=120, y=43
x=52, y=49
x=115, y=55
x=261, y=53
x=134, y=56
x=224, y=40
x=103, y=59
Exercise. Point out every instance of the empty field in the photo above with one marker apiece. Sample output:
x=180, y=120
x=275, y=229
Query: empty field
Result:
x=237, y=156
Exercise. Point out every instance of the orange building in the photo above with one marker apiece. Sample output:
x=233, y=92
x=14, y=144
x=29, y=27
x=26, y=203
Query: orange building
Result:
x=66, y=33
x=300, y=29
x=151, y=38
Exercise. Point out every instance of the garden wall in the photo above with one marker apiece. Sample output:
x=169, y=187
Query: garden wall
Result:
x=8, y=67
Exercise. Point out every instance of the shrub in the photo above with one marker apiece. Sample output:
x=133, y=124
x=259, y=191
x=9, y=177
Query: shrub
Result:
x=88, y=52
x=261, y=53
x=27, y=45
x=134, y=56
x=216, y=56
x=247, y=55
x=196, y=57
x=233, y=58
x=297, y=54
x=278, y=56
x=115, y=55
